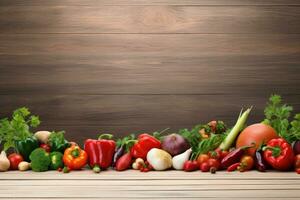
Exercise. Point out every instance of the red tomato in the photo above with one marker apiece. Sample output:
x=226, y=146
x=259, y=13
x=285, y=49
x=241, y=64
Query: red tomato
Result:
x=202, y=158
x=219, y=154
x=213, y=163
x=216, y=154
x=46, y=147
x=14, y=160
x=257, y=134
x=246, y=163
x=204, y=167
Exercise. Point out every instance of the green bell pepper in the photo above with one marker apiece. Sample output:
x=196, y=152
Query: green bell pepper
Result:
x=56, y=160
x=26, y=146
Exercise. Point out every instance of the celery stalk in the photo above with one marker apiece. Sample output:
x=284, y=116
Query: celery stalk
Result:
x=239, y=125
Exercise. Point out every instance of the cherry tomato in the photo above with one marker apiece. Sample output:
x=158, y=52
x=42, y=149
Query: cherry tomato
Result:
x=246, y=163
x=202, y=158
x=204, y=167
x=213, y=163
x=298, y=171
x=14, y=160
x=46, y=147
x=216, y=154
x=297, y=161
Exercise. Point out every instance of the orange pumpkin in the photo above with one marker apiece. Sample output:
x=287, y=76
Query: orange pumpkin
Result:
x=255, y=134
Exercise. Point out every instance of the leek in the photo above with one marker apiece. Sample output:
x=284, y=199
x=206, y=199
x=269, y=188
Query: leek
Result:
x=234, y=132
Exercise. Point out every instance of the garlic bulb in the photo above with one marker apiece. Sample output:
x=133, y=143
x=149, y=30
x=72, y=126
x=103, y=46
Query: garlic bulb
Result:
x=4, y=162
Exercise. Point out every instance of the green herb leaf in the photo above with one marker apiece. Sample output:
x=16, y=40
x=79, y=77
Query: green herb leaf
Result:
x=18, y=128
x=57, y=137
x=210, y=144
x=294, y=132
x=193, y=137
x=277, y=115
x=34, y=121
x=124, y=140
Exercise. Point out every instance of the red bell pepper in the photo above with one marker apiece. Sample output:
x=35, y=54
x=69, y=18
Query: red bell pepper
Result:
x=279, y=154
x=100, y=152
x=144, y=144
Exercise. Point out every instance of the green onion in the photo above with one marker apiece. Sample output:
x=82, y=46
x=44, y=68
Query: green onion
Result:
x=230, y=138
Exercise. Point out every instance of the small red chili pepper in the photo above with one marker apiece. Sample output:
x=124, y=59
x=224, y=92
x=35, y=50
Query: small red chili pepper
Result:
x=233, y=167
x=143, y=145
x=190, y=165
x=145, y=169
x=233, y=156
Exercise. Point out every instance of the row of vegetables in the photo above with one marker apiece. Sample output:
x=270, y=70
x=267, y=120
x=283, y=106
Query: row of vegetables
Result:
x=272, y=144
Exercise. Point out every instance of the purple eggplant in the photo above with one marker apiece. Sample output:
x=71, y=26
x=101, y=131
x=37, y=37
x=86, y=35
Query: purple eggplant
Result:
x=296, y=147
x=260, y=163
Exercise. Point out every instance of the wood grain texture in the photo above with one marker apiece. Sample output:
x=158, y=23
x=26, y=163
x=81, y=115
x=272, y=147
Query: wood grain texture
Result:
x=147, y=2
x=155, y=185
x=150, y=64
x=86, y=116
x=149, y=19
x=129, y=66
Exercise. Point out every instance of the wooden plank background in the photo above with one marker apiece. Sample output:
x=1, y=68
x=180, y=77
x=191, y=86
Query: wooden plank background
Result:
x=126, y=66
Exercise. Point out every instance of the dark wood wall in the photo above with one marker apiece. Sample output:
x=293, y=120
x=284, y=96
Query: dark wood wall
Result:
x=123, y=66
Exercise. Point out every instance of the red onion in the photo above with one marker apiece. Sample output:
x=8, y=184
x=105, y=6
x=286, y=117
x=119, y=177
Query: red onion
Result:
x=175, y=144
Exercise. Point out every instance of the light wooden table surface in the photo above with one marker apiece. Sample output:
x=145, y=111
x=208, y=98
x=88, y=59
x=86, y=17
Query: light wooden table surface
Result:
x=152, y=185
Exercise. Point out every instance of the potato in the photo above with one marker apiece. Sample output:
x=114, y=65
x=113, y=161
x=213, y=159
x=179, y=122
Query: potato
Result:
x=42, y=136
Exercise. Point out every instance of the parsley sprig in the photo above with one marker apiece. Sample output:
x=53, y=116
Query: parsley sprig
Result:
x=201, y=145
x=18, y=127
x=277, y=115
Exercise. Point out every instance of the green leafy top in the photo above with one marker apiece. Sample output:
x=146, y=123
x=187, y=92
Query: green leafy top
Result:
x=57, y=141
x=57, y=137
x=18, y=128
x=123, y=141
x=277, y=115
x=211, y=143
x=201, y=145
x=192, y=136
x=294, y=132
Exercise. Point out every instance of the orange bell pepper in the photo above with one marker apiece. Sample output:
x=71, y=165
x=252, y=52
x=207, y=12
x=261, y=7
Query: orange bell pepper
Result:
x=75, y=158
